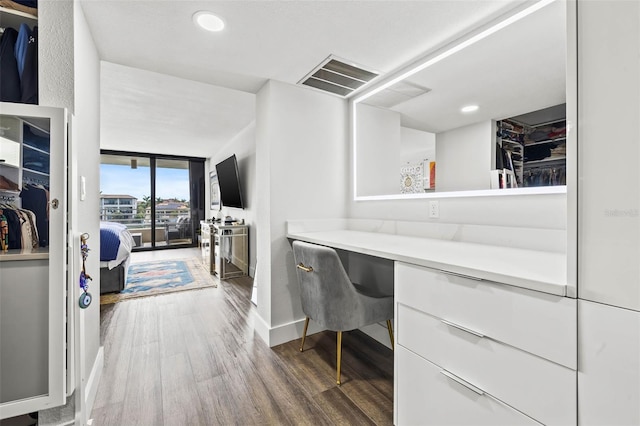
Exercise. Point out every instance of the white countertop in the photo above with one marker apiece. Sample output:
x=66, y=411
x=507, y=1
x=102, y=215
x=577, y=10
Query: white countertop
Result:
x=531, y=269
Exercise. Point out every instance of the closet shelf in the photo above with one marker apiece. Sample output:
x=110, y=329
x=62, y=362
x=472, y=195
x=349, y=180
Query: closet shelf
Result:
x=545, y=161
x=13, y=18
x=24, y=254
x=562, y=138
x=9, y=165
x=35, y=172
x=25, y=145
x=547, y=123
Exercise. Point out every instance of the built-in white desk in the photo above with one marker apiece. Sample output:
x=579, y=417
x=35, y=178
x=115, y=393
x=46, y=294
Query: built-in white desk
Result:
x=485, y=330
x=532, y=269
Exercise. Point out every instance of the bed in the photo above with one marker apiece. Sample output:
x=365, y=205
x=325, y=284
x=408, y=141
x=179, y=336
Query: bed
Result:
x=116, y=243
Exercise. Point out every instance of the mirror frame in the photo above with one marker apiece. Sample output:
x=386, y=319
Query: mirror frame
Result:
x=467, y=40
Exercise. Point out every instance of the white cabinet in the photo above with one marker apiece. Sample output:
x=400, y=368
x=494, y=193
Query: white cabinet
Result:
x=33, y=277
x=514, y=348
x=609, y=179
x=609, y=357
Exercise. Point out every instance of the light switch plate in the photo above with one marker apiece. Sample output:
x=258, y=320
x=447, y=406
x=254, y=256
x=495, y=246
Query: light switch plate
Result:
x=83, y=188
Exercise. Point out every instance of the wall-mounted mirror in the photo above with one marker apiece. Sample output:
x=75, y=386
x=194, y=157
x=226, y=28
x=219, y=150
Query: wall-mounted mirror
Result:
x=412, y=137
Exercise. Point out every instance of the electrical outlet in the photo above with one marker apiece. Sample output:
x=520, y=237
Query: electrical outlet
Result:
x=434, y=209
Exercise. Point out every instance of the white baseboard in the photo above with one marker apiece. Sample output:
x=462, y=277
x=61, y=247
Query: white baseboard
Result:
x=93, y=381
x=284, y=333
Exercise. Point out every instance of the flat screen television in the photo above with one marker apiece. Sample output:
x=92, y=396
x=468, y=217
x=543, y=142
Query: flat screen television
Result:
x=230, y=193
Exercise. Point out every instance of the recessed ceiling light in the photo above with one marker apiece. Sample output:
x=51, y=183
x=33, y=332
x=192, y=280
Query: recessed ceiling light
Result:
x=469, y=108
x=208, y=21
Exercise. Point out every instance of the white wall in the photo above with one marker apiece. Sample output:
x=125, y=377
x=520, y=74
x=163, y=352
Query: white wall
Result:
x=463, y=158
x=378, y=151
x=69, y=77
x=416, y=145
x=302, y=168
x=243, y=145
x=55, y=53
x=85, y=160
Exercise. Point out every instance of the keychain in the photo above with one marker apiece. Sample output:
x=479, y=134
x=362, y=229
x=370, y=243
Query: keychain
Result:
x=85, y=297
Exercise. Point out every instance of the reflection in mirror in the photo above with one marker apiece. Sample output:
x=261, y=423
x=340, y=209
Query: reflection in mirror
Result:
x=416, y=137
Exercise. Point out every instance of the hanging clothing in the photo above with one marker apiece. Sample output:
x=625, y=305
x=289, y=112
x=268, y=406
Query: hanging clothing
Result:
x=14, y=228
x=20, y=49
x=10, y=90
x=4, y=232
x=29, y=75
x=37, y=200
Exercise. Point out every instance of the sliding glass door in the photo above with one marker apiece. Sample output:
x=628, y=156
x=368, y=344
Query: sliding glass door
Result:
x=159, y=198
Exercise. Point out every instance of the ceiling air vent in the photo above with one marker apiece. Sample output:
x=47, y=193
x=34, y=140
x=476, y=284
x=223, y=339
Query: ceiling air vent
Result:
x=397, y=94
x=338, y=77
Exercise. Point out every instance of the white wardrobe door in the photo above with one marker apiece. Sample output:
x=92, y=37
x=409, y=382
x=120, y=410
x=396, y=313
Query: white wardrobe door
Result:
x=609, y=365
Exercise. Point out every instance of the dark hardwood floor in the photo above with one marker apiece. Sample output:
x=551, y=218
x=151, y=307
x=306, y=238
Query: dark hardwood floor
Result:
x=192, y=358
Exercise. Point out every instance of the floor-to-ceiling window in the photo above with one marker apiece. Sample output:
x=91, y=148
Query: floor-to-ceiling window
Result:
x=159, y=198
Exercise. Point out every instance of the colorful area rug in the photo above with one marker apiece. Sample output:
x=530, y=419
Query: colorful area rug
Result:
x=160, y=277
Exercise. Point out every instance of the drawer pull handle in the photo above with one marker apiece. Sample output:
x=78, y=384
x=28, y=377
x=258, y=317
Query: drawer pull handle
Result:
x=455, y=274
x=459, y=327
x=462, y=382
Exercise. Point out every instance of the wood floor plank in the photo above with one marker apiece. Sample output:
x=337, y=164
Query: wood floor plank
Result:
x=143, y=399
x=170, y=333
x=225, y=400
x=206, y=361
x=118, y=344
x=180, y=400
x=340, y=409
x=107, y=414
x=147, y=315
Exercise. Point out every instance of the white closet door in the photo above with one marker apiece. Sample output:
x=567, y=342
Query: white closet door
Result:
x=34, y=282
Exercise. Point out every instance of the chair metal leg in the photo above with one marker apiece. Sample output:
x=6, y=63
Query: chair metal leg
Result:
x=390, y=332
x=304, y=333
x=339, y=354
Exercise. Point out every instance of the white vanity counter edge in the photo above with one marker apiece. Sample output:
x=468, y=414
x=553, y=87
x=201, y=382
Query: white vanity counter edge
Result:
x=531, y=269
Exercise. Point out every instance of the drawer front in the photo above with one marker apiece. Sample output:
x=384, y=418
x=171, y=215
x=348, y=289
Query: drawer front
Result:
x=426, y=396
x=540, y=323
x=541, y=389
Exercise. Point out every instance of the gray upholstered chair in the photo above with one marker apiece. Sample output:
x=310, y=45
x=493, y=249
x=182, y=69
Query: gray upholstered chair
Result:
x=331, y=299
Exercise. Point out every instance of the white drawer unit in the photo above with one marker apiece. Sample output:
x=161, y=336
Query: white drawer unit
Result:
x=429, y=395
x=540, y=323
x=511, y=346
x=539, y=388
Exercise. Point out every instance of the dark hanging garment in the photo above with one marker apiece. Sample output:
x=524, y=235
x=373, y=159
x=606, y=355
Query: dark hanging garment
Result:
x=29, y=76
x=36, y=200
x=15, y=229
x=10, y=90
x=20, y=49
x=28, y=3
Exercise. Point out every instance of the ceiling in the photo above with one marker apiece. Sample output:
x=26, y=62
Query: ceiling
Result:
x=170, y=87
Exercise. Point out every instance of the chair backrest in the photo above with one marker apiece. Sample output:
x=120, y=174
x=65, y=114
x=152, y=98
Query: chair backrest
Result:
x=327, y=294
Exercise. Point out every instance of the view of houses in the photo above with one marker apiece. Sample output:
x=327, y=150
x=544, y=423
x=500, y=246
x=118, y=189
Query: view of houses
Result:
x=171, y=218
x=127, y=209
